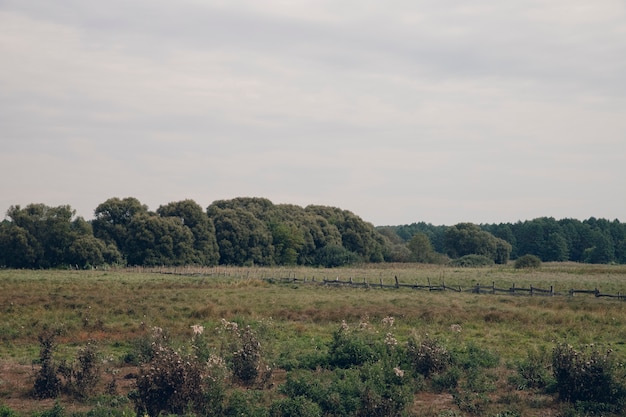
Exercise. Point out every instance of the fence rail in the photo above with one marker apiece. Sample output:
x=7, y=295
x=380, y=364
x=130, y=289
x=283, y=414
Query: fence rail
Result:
x=476, y=289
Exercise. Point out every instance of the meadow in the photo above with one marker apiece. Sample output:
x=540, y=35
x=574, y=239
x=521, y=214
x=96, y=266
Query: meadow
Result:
x=297, y=325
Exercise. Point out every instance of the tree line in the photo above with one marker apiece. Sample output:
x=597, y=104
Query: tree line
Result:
x=593, y=240
x=255, y=231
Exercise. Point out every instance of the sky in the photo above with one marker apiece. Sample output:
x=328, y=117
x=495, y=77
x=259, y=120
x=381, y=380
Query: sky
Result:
x=401, y=111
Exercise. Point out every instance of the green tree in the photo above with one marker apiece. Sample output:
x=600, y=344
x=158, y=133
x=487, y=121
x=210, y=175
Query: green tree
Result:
x=205, y=250
x=602, y=251
x=154, y=240
x=242, y=238
x=421, y=249
x=18, y=248
x=469, y=239
x=113, y=218
x=287, y=241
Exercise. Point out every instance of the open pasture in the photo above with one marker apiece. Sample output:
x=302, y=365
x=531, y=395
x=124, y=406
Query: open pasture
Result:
x=115, y=308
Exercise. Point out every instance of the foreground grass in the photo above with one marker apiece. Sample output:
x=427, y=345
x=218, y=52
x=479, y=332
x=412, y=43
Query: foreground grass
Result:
x=114, y=308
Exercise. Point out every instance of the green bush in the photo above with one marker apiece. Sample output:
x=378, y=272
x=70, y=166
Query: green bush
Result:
x=428, y=356
x=55, y=411
x=349, y=349
x=47, y=383
x=295, y=407
x=7, y=412
x=472, y=261
x=527, y=261
x=473, y=356
x=588, y=377
x=247, y=359
x=173, y=383
x=83, y=375
x=533, y=371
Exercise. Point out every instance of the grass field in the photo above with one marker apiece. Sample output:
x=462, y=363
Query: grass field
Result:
x=116, y=308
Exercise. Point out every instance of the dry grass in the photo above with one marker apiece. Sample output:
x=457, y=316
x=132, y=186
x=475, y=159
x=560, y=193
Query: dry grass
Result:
x=115, y=307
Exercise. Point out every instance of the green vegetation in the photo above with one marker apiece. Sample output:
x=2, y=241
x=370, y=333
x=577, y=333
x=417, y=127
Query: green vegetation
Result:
x=254, y=231
x=527, y=261
x=230, y=341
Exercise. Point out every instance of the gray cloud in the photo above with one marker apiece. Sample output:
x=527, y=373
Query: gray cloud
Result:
x=399, y=111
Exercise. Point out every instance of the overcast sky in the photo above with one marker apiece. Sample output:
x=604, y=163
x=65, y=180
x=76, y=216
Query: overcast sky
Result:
x=400, y=111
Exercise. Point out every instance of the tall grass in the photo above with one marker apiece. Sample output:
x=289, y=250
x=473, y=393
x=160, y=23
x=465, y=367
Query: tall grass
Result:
x=295, y=322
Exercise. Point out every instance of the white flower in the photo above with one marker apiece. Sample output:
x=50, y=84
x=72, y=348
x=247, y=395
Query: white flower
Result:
x=197, y=329
x=390, y=340
x=399, y=372
x=388, y=321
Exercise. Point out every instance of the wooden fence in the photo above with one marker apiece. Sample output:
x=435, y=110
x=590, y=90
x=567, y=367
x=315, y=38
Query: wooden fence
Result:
x=476, y=289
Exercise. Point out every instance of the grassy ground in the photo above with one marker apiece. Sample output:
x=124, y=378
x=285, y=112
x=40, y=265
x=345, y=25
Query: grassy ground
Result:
x=115, y=307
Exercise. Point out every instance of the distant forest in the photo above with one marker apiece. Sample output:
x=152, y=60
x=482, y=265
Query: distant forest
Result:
x=254, y=231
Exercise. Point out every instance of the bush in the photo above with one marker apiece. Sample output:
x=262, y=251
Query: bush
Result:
x=527, y=261
x=47, y=383
x=170, y=383
x=473, y=356
x=588, y=376
x=7, y=412
x=533, y=371
x=428, y=356
x=247, y=359
x=472, y=261
x=83, y=375
x=348, y=349
x=295, y=407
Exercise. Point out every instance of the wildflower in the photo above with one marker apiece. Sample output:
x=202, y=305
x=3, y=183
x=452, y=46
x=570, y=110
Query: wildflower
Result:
x=197, y=329
x=388, y=321
x=390, y=340
x=230, y=325
x=344, y=326
x=399, y=372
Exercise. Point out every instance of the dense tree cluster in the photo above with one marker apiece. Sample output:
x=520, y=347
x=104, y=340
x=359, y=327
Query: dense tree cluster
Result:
x=241, y=231
x=254, y=231
x=590, y=241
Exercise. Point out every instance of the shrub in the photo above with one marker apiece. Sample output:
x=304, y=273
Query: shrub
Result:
x=347, y=349
x=83, y=375
x=387, y=390
x=446, y=381
x=7, y=412
x=527, y=261
x=55, y=411
x=169, y=383
x=242, y=404
x=533, y=371
x=295, y=407
x=470, y=261
x=247, y=359
x=587, y=376
x=473, y=356
x=428, y=356
x=47, y=383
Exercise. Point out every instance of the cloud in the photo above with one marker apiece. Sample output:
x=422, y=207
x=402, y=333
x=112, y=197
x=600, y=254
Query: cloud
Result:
x=401, y=112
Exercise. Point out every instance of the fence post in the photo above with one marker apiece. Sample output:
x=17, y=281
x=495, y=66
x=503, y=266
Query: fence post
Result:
x=531, y=290
x=551, y=290
x=381, y=282
x=397, y=284
x=493, y=287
